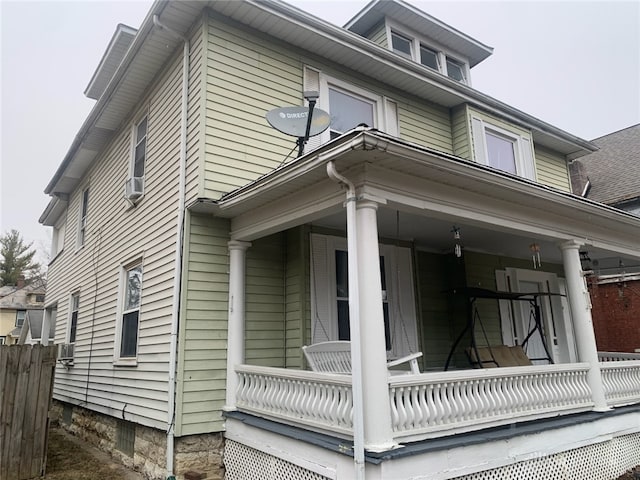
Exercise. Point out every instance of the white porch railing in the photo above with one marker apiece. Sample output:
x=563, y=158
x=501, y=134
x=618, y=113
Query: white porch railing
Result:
x=621, y=382
x=426, y=405
x=308, y=399
x=617, y=356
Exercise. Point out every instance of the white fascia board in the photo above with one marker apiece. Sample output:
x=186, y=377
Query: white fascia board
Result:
x=54, y=209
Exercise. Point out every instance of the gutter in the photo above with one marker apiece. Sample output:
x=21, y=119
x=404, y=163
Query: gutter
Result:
x=177, y=270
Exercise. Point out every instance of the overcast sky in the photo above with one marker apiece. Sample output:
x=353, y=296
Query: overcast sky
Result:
x=573, y=64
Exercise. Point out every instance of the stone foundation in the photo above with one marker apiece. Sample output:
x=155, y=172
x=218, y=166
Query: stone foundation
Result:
x=194, y=455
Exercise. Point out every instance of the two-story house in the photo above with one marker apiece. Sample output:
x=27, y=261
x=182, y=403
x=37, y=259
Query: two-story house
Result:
x=16, y=303
x=195, y=255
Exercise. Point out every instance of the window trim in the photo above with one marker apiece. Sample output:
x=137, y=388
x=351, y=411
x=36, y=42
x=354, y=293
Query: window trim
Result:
x=400, y=298
x=24, y=317
x=522, y=146
x=75, y=294
x=118, y=359
x=83, y=214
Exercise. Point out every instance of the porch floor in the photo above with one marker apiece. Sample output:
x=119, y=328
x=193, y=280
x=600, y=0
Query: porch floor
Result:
x=505, y=432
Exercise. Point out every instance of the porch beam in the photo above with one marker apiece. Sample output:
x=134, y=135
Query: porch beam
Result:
x=378, y=435
x=582, y=321
x=235, y=331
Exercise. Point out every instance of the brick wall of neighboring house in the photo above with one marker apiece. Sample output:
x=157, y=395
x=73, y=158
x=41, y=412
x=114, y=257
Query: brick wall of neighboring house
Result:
x=616, y=315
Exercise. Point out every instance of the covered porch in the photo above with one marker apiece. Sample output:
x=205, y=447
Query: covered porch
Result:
x=420, y=226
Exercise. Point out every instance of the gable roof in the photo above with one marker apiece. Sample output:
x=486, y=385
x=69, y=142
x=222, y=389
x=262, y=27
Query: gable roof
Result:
x=614, y=170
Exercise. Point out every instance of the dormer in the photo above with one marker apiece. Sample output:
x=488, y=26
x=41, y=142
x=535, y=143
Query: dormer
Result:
x=413, y=34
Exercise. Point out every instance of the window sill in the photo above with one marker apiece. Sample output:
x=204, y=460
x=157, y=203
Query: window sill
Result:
x=125, y=362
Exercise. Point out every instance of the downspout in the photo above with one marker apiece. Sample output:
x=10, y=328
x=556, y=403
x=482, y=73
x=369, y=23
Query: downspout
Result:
x=177, y=270
x=354, y=315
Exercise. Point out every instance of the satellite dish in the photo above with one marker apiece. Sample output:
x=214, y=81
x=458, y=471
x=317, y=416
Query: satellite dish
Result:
x=293, y=121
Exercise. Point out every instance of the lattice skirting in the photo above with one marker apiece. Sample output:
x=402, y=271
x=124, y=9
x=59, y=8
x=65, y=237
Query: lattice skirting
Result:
x=245, y=463
x=602, y=461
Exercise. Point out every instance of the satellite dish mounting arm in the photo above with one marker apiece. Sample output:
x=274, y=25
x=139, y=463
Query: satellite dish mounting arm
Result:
x=312, y=97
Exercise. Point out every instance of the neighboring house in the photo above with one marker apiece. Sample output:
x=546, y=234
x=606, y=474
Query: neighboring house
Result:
x=16, y=302
x=611, y=175
x=193, y=258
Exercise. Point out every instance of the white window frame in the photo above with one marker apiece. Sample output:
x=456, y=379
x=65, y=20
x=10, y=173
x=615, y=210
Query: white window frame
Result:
x=135, y=142
x=24, y=317
x=73, y=308
x=118, y=358
x=522, y=146
x=417, y=40
x=57, y=237
x=83, y=213
x=400, y=293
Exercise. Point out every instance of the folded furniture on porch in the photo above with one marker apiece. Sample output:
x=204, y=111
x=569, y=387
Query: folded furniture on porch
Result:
x=498, y=356
x=335, y=357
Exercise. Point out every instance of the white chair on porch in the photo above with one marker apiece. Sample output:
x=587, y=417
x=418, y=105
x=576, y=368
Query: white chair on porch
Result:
x=335, y=357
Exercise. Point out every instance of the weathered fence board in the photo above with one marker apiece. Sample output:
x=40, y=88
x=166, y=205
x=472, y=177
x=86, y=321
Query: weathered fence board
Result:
x=26, y=386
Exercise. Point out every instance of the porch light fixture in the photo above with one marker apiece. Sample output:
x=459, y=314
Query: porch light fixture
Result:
x=456, y=236
x=535, y=251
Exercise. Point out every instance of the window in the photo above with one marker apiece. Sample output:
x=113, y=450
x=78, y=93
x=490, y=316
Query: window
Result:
x=349, y=106
x=2, y=340
x=428, y=53
x=330, y=294
x=127, y=345
x=502, y=147
x=57, y=238
x=39, y=298
x=20, y=316
x=428, y=57
x=401, y=44
x=348, y=111
x=84, y=207
x=140, y=147
x=455, y=70
x=74, y=307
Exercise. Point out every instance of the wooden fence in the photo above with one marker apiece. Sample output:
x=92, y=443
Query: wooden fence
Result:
x=26, y=386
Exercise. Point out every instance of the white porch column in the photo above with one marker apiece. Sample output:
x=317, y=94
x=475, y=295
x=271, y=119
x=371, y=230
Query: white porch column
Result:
x=377, y=414
x=582, y=321
x=235, y=331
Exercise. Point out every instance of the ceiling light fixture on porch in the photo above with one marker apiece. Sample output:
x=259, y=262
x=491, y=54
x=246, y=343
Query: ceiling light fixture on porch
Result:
x=456, y=236
x=535, y=250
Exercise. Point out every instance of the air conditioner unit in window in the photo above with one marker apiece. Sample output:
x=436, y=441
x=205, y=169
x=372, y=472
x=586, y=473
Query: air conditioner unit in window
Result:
x=134, y=188
x=65, y=352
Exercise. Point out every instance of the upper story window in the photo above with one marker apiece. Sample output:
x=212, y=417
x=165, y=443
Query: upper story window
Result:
x=20, y=316
x=429, y=54
x=84, y=208
x=501, y=147
x=140, y=147
x=74, y=308
x=57, y=237
x=348, y=110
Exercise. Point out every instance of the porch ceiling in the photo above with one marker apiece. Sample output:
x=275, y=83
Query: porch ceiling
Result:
x=497, y=212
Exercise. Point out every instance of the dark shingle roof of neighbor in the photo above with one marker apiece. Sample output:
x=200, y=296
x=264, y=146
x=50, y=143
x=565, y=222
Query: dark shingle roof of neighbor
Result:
x=614, y=170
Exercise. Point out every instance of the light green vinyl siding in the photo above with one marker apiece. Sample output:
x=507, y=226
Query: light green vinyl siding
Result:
x=297, y=279
x=246, y=77
x=117, y=234
x=552, y=169
x=461, y=132
x=425, y=124
x=203, y=332
x=265, y=302
x=378, y=34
